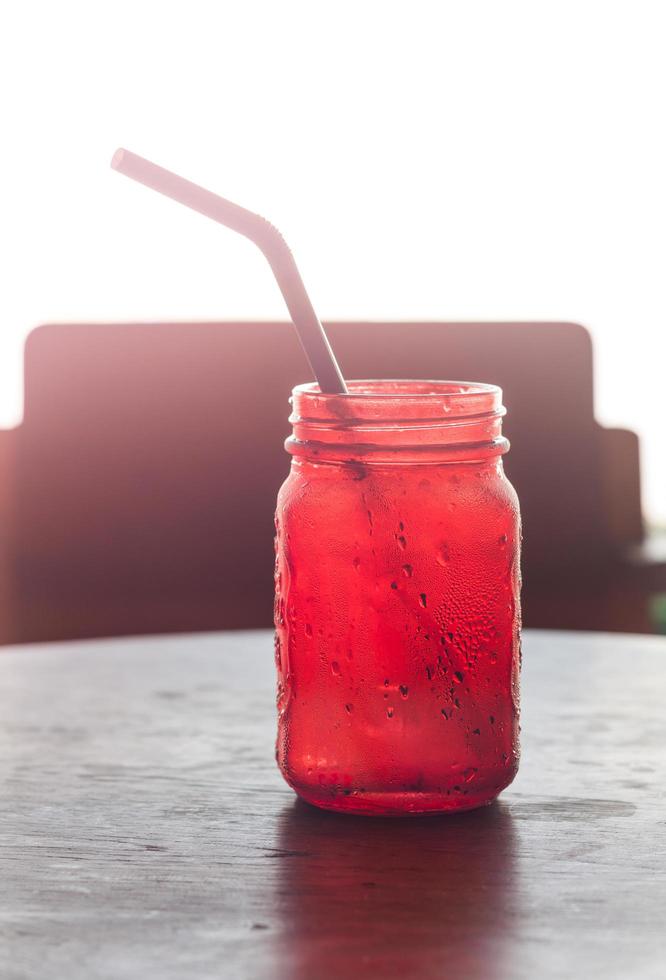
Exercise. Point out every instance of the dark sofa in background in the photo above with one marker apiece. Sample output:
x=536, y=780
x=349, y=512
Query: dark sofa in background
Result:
x=137, y=494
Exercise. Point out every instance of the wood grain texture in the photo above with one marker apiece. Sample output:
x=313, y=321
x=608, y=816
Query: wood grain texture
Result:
x=146, y=833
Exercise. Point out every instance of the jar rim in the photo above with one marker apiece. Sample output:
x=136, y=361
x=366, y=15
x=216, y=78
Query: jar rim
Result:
x=397, y=400
x=390, y=388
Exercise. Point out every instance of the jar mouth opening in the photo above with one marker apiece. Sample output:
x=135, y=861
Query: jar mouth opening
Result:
x=398, y=400
x=363, y=388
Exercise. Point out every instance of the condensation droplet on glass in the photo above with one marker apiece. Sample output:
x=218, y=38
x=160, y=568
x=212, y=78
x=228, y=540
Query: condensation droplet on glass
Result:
x=402, y=541
x=442, y=557
x=335, y=668
x=308, y=629
x=424, y=599
x=349, y=708
x=407, y=571
x=404, y=690
x=389, y=712
x=357, y=563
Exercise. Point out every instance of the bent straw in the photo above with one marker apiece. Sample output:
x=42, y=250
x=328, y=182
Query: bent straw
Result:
x=266, y=237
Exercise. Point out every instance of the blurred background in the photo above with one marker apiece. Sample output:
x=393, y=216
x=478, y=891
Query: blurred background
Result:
x=430, y=161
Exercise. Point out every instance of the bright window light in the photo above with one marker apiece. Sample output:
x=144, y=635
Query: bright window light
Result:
x=431, y=160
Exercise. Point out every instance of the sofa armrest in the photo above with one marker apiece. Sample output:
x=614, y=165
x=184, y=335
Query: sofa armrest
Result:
x=621, y=487
x=8, y=444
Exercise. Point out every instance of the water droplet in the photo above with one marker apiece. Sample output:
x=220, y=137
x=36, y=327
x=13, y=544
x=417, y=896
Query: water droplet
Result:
x=370, y=518
x=407, y=571
x=428, y=673
x=394, y=585
x=358, y=471
x=349, y=708
x=404, y=690
x=401, y=526
x=493, y=657
x=335, y=668
x=386, y=682
x=308, y=629
x=491, y=719
x=389, y=712
x=443, y=555
x=357, y=563
x=476, y=731
x=279, y=697
x=469, y=774
x=458, y=676
x=444, y=712
x=402, y=541
x=502, y=540
x=423, y=598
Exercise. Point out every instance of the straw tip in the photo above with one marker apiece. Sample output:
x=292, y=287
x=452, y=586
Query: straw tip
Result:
x=117, y=158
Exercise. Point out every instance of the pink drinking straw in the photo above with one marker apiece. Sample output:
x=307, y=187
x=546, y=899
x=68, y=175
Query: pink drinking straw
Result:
x=266, y=237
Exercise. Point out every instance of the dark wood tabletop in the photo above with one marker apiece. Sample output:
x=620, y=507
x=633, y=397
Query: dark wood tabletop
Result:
x=145, y=831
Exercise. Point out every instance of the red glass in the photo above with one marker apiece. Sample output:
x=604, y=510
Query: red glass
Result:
x=397, y=606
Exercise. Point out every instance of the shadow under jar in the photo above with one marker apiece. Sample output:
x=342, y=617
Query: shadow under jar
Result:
x=397, y=599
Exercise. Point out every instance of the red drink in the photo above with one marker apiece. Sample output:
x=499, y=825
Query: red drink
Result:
x=397, y=606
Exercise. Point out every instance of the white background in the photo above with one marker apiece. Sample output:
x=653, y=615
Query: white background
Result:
x=445, y=160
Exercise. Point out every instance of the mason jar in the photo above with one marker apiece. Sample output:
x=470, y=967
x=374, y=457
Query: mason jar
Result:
x=397, y=599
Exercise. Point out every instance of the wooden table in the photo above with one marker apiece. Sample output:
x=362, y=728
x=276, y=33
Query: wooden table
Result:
x=146, y=833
